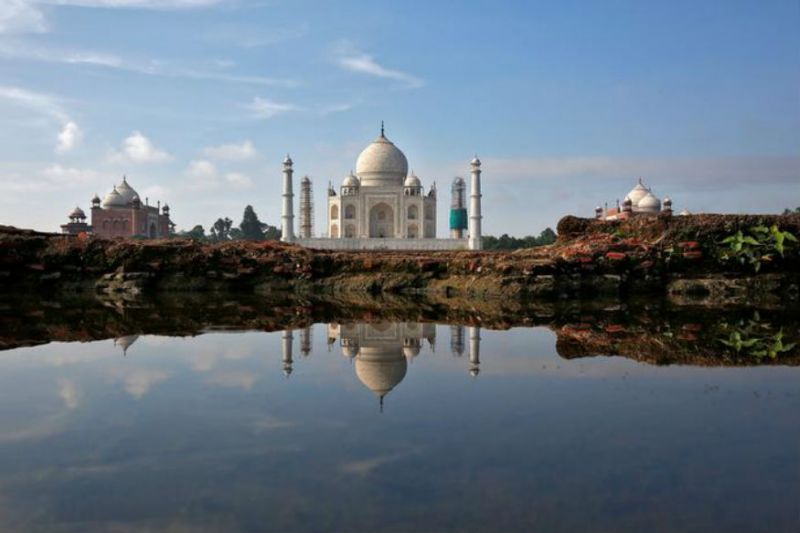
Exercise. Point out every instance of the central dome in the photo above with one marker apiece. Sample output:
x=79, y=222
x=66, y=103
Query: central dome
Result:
x=382, y=163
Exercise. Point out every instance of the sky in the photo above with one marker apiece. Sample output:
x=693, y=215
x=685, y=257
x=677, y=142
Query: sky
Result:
x=566, y=103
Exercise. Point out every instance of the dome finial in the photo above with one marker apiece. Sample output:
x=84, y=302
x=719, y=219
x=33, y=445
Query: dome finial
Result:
x=381, y=402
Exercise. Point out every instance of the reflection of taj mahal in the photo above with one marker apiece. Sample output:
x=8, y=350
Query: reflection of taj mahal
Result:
x=381, y=351
x=382, y=205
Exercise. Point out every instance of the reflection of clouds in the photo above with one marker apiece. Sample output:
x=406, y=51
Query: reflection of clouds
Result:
x=208, y=356
x=364, y=467
x=244, y=380
x=45, y=427
x=139, y=382
x=203, y=361
x=270, y=422
x=69, y=392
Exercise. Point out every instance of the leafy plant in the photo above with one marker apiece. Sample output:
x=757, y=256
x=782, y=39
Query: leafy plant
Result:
x=755, y=339
x=756, y=247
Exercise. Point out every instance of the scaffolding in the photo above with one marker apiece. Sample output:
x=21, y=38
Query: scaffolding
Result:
x=306, y=209
x=458, y=209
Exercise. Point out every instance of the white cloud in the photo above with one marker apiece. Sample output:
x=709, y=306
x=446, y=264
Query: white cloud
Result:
x=69, y=137
x=20, y=16
x=231, y=152
x=153, y=67
x=349, y=58
x=695, y=172
x=137, y=148
x=60, y=176
x=136, y=4
x=204, y=175
x=266, y=108
x=240, y=181
x=41, y=103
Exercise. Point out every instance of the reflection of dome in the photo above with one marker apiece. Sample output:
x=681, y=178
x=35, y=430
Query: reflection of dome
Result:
x=637, y=193
x=411, y=351
x=125, y=342
x=649, y=204
x=381, y=163
x=380, y=369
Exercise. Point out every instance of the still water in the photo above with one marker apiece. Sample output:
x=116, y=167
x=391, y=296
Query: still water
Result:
x=389, y=426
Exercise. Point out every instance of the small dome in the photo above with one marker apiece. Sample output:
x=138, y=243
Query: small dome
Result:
x=351, y=181
x=649, y=204
x=627, y=201
x=412, y=181
x=113, y=199
x=96, y=199
x=305, y=179
x=684, y=213
x=288, y=160
x=126, y=191
x=381, y=163
x=77, y=213
x=637, y=193
x=350, y=350
x=667, y=200
x=475, y=161
x=411, y=351
x=165, y=208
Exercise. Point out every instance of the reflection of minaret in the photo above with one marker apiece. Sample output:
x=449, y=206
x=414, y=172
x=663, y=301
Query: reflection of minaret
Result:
x=286, y=346
x=305, y=341
x=457, y=340
x=474, y=351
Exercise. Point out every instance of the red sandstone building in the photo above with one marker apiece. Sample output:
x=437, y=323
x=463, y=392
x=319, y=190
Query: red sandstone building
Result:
x=121, y=213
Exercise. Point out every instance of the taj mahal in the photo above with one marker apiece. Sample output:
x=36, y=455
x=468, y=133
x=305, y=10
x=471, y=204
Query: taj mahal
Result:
x=383, y=206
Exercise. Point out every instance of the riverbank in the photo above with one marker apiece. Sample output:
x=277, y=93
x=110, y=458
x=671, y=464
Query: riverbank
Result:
x=712, y=259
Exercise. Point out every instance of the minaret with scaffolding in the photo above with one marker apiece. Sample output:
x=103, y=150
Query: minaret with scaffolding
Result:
x=306, y=209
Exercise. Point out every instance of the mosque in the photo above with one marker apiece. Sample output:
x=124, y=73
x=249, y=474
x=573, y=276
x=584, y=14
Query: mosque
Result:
x=121, y=213
x=382, y=351
x=383, y=206
x=640, y=201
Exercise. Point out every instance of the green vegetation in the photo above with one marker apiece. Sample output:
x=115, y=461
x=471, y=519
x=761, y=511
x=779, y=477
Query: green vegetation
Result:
x=758, y=245
x=505, y=242
x=251, y=229
x=791, y=212
x=754, y=338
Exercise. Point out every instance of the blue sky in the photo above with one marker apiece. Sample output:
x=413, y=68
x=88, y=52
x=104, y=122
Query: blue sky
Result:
x=567, y=103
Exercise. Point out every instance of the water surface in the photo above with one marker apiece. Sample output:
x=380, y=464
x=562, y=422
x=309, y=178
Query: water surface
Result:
x=392, y=426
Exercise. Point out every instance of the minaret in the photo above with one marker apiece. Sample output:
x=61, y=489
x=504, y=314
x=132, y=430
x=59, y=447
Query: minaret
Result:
x=306, y=209
x=474, y=351
x=287, y=339
x=287, y=215
x=475, y=236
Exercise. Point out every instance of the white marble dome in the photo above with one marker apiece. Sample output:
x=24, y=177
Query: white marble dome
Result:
x=649, y=204
x=126, y=191
x=350, y=181
x=113, y=199
x=381, y=163
x=412, y=181
x=637, y=193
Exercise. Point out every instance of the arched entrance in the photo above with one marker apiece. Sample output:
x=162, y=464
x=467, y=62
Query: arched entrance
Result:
x=152, y=230
x=381, y=221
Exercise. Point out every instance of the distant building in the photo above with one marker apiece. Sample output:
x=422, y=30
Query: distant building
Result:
x=77, y=223
x=121, y=213
x=640, y=201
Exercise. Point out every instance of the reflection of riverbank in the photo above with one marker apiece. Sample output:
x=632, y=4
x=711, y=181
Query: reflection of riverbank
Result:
x=651, y=331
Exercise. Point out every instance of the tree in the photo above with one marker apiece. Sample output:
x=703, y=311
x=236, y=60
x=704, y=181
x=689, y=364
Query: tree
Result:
x=506, y=242
x=197, y=233
x=790, y=212
x=221, y=230
x=251, y=227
